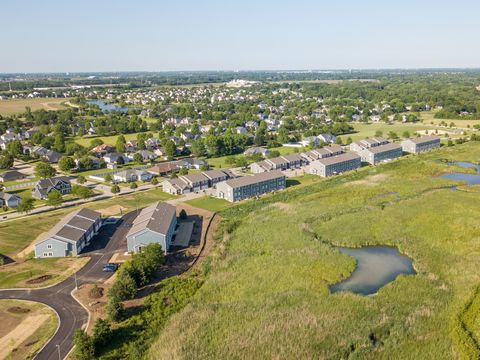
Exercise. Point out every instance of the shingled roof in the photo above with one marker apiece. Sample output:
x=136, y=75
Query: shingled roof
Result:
x=156, y=217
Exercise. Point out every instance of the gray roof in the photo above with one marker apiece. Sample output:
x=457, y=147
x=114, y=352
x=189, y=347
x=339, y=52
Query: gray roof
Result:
x=156, y=217
x=214, y=174
x=424, y=139
x=383, y=148
x=6, y=196
x=337, y=159
x=73, y=225
x=12, y=175
x=194, y=178
x=292, y=157
x=254, y=179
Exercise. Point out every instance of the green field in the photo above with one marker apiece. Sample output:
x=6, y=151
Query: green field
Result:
x=110, y=140
x=9, y=107
x=210, y=203
x=369, y=130
x=267, y=294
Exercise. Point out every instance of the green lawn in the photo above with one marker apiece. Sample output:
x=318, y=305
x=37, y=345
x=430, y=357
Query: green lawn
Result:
x=267, y=294
x=110, y=140
x=210, y=203
x=369, y=130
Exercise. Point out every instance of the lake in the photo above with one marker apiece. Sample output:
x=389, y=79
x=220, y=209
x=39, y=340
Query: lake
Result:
x=466, y=165
x=376, y=267
x=106, y=107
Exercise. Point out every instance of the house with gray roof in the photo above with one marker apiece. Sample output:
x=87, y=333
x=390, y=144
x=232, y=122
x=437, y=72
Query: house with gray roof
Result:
x=334, y=165
x=10, y=200
x=421, y=144
x=367, y=143
x=131, y=175
x=195, y=182
x=322, y=153
x=155, y=224
x=45, y=186
x=257, y=151
x=250, y=186
x=377, y=154
x=13, y=175
x=71, y=235
x=285, y=162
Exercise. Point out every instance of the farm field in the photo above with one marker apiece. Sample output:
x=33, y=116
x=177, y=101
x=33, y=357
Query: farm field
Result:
x=26, y=326
x=267, y=294
x=9, y=107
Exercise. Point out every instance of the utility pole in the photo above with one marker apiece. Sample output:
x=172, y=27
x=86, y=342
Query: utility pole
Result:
x=76, y=284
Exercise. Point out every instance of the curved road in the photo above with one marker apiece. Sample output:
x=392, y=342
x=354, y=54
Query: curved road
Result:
x=72, y=315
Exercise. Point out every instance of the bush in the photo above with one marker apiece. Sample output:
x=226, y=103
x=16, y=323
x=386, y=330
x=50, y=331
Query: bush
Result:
x=115, y=310
x=81, y=179
x=101, y=334
x=154, y=181
x=95, y=292
x=183, y=214
x=133, y=185
x=84, y=347
x=115, y=189
x=125, y=287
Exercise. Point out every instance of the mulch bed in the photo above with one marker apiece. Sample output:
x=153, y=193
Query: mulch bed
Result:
x=39, y=279
x=18, y=310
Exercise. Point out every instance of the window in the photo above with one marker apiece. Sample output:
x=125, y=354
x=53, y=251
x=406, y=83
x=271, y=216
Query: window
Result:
x=50, y=254
x=49, y=246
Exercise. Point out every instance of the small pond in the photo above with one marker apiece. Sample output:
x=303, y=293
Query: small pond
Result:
x=376, y=267
x=106, y=107
x=471, y=179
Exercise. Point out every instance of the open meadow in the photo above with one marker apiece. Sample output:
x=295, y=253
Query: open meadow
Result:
x=9, y=107
x=267, y=293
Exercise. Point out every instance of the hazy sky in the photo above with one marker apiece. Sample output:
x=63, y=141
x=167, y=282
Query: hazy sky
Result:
x=121, y=35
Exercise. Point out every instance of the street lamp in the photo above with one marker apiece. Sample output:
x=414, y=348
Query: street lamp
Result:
x=76, y=283
x=59, y=356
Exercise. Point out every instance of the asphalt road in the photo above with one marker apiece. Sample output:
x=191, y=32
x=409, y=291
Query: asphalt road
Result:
x=72, y=315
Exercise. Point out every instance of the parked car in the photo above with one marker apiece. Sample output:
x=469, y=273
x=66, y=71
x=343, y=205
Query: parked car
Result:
x=110, y=267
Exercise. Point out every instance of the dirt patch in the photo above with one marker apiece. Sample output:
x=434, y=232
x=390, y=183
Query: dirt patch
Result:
x=113, y=210
x=18, y=310
x=96, y=307
x=370, y=180
x=96, y=292
x=39, y=279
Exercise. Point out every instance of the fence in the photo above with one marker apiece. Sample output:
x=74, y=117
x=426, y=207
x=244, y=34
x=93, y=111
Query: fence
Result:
x=21, y=185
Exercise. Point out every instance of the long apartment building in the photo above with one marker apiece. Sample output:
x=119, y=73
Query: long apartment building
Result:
x=376, y=150
x=250, y=186
x=292, y=161
x=334, y=165
x=322, y=153
x=421, y=144
x=195, y=182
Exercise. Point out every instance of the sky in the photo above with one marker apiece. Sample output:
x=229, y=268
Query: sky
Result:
x=143, y=35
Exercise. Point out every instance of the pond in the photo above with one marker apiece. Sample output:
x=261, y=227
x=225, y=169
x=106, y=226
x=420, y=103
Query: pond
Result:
x=376, y=267
x=471, y=179
x=106, y=107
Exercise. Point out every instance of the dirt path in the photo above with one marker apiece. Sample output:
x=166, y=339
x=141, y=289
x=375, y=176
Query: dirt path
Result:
x=21, y=333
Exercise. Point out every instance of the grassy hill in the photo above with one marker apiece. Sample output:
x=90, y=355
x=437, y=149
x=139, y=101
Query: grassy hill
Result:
x=266, y=295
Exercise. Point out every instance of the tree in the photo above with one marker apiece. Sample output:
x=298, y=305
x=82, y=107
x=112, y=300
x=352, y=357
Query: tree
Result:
x=339, y=140
x=15, y=148
x=82, y=192
x=54, y=198
x=260, y=134
x=115, y=309
x=84, y=347
x=125, y=287
x=81, y=179
x=26, y=205
x=6, y=161
x=66, y=163
x=115, y=189
x=108, y=177
x=282, y=136
x=183, y=171
x=120, y=144
x=44, y=170
x=183, y=214
x=378, y=133
x=406, y=134
x=101, y=333
x=170, y=148
x=138, y=158
x=155, y=181
x=198, y=148
x=133, y=185
x=59, y=143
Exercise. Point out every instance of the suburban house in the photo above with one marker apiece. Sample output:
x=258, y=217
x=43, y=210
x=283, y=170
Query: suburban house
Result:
x=48, y=155
x=250, y=186
x=95, y=162
x=317, y=140
x=367, y=143
x=190, y=163
x=154, y=225
x=10, y=200
x=335, y=164
x=257, y=151
x=322, y=153
x=131, y=145
x=195, y=182
x=292, y=161
x=102, y=149
x=147, y=155
x=13, y=175
x=45, y=186
x=163, y=169
x=421, y=144
x=115, y=158
x=376, y=154
x=130, y=175
x=71, y=235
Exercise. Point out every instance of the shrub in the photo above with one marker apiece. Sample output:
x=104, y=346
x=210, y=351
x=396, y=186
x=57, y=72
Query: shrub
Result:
x=183, y=214
x=84, y=348
x=133, y=185
x=115, y=310
x=115, y=189
x=95, y=292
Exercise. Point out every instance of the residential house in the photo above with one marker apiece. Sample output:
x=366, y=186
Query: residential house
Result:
x=45, y=186
x=10, y=200
x=71, y=235
x=191, y=163
x=116, y=158
x=376, y=154
x=241, y=130
x=322, y=153
x=13, y=175
x=156, y=224
x=147, y=155
x=250, y=186
x=257, y=151
x=131, y=146
x=420, y=144
x=130, y=175
x=216, y=176
x=368, y=143
x=102, y=149
x=164, y=169
x=335, y=164
x=292, y=161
